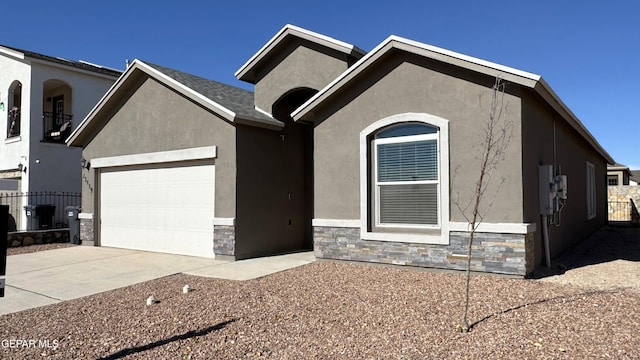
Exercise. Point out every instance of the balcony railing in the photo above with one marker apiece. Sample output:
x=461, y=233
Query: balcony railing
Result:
x=57, y=127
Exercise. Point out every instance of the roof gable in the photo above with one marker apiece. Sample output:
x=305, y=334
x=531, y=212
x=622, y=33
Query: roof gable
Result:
x=229, y=102
x=393, y=43
x=273, y=45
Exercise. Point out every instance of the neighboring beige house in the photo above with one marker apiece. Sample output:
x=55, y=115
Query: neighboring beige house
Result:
x=623, y=195
x=355, y=155
x=619, y=174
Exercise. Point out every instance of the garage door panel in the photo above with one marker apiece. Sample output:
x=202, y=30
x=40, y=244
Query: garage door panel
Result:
x=167, y=208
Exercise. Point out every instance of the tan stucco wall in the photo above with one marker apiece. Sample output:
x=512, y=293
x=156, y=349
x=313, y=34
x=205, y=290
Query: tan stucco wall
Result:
x=154, y=118
x=572, y=153
x=421, y=86
x=301, y=65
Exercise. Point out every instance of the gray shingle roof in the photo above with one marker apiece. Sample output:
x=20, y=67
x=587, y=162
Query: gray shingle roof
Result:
x=75, y=64
x=238, y=100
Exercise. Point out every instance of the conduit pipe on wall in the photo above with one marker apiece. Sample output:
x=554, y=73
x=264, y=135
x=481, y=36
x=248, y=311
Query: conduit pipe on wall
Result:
x=545, y=236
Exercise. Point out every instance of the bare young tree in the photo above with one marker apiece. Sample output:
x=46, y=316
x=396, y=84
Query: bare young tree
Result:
x=497, y=134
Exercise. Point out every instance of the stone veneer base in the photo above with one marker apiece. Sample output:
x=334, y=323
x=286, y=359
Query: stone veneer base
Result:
x=86, y=232
x=224, y=240
x=494, y=253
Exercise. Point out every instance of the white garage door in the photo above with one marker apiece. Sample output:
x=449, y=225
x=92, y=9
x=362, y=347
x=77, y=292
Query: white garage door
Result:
x=165, y=208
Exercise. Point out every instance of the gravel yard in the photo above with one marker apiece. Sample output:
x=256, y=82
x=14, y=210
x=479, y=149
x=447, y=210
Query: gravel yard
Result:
x=328, y=310
x=333, y=310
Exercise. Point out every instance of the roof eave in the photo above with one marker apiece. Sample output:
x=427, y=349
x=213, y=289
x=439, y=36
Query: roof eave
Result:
x=271, y=124
x=544, y=90
x=91, y=72
x=11, y=52
x=433, y=52
x=530, y=80
x=188, y=92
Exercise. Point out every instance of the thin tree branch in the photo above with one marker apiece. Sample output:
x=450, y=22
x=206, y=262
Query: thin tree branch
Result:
x=497, y=134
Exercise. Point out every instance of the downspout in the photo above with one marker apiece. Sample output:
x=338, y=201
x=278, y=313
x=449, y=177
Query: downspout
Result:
x=545, y=218
x=545, y=236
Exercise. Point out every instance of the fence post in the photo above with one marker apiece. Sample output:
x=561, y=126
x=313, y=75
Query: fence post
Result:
x=4, y=219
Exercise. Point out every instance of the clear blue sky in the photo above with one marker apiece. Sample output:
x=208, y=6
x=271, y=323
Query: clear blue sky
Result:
x=588, y=51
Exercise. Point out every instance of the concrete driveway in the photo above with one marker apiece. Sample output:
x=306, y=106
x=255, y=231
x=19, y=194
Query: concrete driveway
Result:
x=49, y=277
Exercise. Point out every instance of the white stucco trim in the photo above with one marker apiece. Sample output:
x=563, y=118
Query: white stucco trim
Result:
x=207, y=152
x=487, y=228
x=13, y=139
x=224, y=221
x=85, y=216
x=292, y=30
x=194, y=95
x=443, y=169
x=339, y=223
x=495, y=228
x=262, y=111
x=12, y=53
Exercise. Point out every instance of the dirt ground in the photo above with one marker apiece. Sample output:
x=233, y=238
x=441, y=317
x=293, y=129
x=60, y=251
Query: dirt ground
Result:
x=610, y=259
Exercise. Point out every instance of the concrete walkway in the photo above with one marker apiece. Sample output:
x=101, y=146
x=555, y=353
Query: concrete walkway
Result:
x=48, y=277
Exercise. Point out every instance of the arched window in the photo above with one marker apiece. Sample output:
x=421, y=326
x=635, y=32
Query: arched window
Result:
x=406, y=175
x=15, y=103
x=404, y=179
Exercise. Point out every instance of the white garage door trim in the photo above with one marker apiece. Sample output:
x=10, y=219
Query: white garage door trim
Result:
x=158, y=201
x=200, y=153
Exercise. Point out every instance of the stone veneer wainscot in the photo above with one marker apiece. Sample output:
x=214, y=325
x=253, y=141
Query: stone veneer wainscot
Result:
x=495, y=253
x=224, y=240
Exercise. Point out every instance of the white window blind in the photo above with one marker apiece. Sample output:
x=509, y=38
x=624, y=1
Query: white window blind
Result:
x=409, y=204
x=409, y=161
x=407, y=178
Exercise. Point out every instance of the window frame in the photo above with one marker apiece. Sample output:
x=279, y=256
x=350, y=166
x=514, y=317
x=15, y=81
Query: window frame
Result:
x=591, y=190
x=405, y=234
x=15, y=95
x=377, y=183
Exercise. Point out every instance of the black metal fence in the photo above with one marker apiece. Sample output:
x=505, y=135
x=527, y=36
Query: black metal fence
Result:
x=619, y=211
x=38, y=210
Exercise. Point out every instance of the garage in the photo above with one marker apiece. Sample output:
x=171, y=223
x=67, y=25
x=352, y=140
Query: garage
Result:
x=165, y=207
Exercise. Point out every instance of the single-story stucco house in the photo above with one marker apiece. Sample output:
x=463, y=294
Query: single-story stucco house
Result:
x=356, y=155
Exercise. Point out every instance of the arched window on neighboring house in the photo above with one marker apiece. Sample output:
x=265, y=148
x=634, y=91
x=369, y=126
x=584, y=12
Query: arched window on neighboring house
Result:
x=15, y=104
